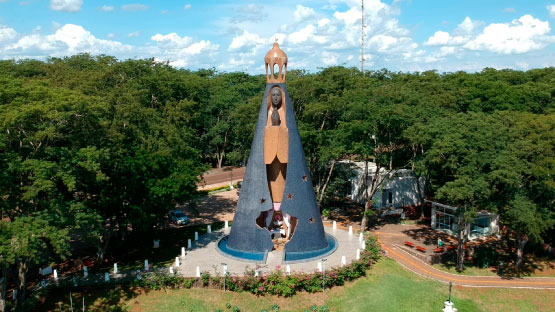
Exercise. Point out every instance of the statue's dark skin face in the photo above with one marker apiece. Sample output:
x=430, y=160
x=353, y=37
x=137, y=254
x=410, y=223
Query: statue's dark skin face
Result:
x=276, y=97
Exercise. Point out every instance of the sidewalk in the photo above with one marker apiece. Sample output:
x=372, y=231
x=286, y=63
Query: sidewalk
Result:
x=411, y=263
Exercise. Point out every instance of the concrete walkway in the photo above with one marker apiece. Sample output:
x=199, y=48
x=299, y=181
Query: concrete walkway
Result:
x=207, y=258
x=411, y=263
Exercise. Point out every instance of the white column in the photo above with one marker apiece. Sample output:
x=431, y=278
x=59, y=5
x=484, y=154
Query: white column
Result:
x=449, y=307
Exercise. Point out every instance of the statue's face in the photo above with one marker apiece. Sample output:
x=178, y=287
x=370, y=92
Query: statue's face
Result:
x=276, y=97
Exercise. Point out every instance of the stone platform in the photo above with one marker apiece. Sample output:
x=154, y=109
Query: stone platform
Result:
x=204, y=255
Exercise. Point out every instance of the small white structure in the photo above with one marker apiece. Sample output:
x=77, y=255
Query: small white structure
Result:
x=444, y=219
x=449, y=307
x=398, y=188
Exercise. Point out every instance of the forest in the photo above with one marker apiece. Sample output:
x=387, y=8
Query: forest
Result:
x=94, y=146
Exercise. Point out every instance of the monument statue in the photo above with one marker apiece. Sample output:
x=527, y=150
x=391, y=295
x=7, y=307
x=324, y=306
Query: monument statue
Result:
x=277, y=201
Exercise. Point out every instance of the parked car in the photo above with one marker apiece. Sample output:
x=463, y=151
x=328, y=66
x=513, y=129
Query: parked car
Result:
x=178, y=217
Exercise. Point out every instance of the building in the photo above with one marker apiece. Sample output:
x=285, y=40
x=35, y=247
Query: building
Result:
x=397, y=189
x=444, y=219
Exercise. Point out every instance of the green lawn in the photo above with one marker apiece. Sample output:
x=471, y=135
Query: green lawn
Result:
x=388, y=287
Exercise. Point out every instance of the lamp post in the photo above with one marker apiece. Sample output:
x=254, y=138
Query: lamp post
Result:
x=324, y=274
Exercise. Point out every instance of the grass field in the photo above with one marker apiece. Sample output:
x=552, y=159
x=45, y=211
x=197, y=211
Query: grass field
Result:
x=388, y=287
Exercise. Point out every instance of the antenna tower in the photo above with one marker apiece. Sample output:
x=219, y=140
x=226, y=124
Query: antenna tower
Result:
x=363, y=27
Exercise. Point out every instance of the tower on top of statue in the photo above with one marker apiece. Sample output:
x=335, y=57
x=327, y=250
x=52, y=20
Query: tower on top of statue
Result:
x=274, y=57
x=277, y=207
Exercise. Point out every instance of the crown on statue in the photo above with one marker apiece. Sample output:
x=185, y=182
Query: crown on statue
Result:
x=275, y=56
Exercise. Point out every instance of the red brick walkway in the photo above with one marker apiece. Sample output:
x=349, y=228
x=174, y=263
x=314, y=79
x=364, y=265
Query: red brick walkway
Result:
x=390, y=243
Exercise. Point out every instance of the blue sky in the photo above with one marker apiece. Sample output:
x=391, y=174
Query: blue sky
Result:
x=405, y=35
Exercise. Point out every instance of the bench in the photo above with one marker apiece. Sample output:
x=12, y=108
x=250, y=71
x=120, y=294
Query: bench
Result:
x=409, y=244
x=420, y=248
x=439, y=249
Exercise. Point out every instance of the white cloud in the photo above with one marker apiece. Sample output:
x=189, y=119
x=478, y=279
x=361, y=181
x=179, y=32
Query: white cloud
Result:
x=329, y=58
x=66, y=5
x=7, y=34
x=134, y=34
x=244, y=42
x=173, y=40
x=303, y=13
x=520, y=36
x=302, y=35
x=468, y=27
x=551, y=9
x=444, y=38
x=107, y=8
x=134, y=7
x=187, y=6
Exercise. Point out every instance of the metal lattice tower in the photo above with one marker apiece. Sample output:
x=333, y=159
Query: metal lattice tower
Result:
x=362, y=32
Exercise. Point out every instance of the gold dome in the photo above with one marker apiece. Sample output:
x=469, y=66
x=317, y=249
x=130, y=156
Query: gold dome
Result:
x=276, y=56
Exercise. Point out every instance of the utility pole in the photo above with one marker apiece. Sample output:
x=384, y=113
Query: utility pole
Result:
x=362, y=38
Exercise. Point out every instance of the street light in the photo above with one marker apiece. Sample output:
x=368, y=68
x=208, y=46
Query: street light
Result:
x=324, y=274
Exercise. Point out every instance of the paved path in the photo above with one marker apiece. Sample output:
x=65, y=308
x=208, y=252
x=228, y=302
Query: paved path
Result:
x=396, y=252
x=207, y=258
x=221, y=177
